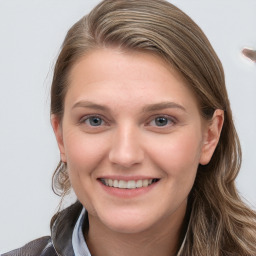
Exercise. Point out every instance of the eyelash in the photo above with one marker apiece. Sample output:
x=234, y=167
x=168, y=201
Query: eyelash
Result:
x=85, y=118
x=169, y=119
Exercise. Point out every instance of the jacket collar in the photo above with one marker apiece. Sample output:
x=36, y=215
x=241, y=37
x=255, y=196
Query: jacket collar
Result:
x=63, y=227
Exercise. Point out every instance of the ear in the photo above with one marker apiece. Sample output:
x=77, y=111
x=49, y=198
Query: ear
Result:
x=57, y=128
x=211, y=136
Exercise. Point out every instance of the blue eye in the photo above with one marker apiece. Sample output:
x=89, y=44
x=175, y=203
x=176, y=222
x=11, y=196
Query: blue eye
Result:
x=161, y=121
x=93, y=121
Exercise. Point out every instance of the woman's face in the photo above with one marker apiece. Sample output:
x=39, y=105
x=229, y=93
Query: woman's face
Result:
x=132, y=138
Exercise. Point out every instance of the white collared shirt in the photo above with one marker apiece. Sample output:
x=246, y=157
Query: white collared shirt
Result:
x=79, y=245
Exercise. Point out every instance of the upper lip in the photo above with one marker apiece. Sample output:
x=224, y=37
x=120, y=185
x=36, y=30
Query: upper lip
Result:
x=127, y=178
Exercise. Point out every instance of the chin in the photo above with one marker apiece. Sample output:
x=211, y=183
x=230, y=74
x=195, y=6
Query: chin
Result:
x=132, y=222
x=128, y=226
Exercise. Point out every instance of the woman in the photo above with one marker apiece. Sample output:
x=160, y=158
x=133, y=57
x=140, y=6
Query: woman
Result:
x=147, y=142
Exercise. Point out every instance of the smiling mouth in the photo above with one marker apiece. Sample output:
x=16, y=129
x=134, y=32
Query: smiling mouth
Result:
x=131, y=184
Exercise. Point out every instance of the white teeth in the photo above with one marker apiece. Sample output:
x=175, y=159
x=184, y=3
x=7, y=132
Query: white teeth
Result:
x=110, y=182
x=131, y=184
x=116, y=184
x=139, y=184
x=122, y=184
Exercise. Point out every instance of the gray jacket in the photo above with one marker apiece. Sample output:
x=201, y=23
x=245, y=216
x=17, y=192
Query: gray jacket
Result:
x=60, y=241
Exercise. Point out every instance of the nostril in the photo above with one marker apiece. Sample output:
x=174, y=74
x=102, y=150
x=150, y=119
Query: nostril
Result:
x=126, y=157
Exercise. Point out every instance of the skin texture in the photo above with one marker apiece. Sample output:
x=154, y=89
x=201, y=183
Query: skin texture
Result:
x=118, y=87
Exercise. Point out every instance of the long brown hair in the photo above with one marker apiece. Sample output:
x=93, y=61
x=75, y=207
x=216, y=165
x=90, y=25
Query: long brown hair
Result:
x=220, y=222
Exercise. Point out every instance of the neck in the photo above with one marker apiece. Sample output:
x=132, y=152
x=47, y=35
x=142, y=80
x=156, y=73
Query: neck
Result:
x=161, y=239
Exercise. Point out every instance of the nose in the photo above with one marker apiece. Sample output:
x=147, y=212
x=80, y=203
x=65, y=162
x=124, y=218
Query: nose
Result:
x=126, y=150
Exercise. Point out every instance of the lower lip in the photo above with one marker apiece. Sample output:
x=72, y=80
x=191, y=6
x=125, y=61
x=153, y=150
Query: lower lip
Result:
x=127, y=193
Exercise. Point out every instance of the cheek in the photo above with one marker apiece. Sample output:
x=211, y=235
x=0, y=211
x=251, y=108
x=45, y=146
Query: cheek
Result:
x=179, y=154
x=83, y=151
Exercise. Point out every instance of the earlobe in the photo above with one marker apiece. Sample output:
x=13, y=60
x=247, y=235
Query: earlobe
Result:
x=56, y=125
x=212, y=135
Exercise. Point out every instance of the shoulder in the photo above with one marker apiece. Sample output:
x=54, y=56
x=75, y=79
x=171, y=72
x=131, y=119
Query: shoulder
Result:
x=40, y=247
x=61, y=236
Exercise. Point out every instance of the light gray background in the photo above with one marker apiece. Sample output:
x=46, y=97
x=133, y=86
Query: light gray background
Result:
x=31, y=32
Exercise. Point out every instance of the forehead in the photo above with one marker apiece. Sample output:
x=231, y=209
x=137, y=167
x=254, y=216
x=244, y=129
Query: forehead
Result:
x=129, y=76
x=129, y=60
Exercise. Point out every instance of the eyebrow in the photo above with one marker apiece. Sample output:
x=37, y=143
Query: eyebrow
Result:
x=89, y=104
x=147, y=108
x=162, y=105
